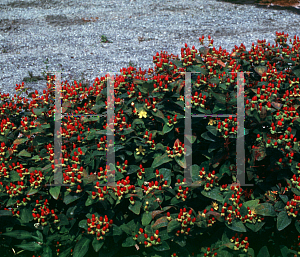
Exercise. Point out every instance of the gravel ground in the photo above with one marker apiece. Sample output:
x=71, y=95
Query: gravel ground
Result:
x=31, y=31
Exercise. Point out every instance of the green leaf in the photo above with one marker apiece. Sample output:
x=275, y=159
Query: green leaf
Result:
x=225, y=168
x=132, y=169
x=214, y=194
x=159, y=160
x=47, y=252
x=251, y=204
x=40, y=236
x=212, y=129
x=265, y=209
x=97, y=244
x=167, y=129
x=180, y=241
x=195, y=173
x=191, y=138
x=19, y=234
x=136, y=207
x=237, y=225
x=181, y=161
x=81, y=247
x=5, y=213
x=283, y=220
x=70, y=198
x=137, y=122
x=32, y=191
x=117, y=231
x=263, y=252
x=108, y=252
x=173, y=224
x=219, y=108
x=159, y=114
x=54, y=191
x=285, y=252
x=83, y=224
x=24, y=153
x=161, y=222
x=260, y=69
x=38, y=111
x=178, y=63
x=146, y=218
x=162, y=247
x=220, y=97
x=207, y=137
x=26, y=215
x=224, y=253
x=167, y=173
x=146, y=87
x=129, y=242
x=11, y=201
x=255, y=227
x=129, y=227
x=63, y=219
x=32, y=246
x=297, y=226
x=89, y=201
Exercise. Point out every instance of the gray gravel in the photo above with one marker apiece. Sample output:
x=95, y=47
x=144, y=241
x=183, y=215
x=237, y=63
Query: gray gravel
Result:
x=31, y=31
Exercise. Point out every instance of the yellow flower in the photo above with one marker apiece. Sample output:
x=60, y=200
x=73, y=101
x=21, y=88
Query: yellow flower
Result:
x=140, y=150
x=211, y=122
x=215, y=205
x=142, y=114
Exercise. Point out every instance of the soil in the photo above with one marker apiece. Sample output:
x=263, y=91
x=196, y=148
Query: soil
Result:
x=62, y=20
x=289, y=5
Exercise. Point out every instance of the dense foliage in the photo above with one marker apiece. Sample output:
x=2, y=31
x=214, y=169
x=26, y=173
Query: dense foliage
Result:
x=148, y=213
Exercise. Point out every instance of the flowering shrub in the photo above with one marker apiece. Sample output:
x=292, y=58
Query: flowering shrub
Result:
x=151, y=211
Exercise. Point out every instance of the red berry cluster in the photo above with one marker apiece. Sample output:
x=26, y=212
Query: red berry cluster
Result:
x=208, y=217
x=186, y=220
x=293, y=207
x=123, y=188
x=36, y=178
x=198, y=99
x=210, y=179
x=102, y=143
x=162, y=81
x=296, y=246
x=172, y=122
x=228, y=126
x=189, y=56
x=120, y=122
x=6, y=125
x=296, y=179
x=14, y=190
x=162, y=64
x=100, y=193
x=178, y=147
x=42, y=214
x=99, y=226
x=141, y=172
x=239, y=243
x=122, y=169
x=210, y=252
x=149, y=241
x=2, y=151
x=149, y=140
x=102, y=174
x=150, y=106
x=58, y=247
x=231, y=212
x=182, y=193
x=148, y=187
